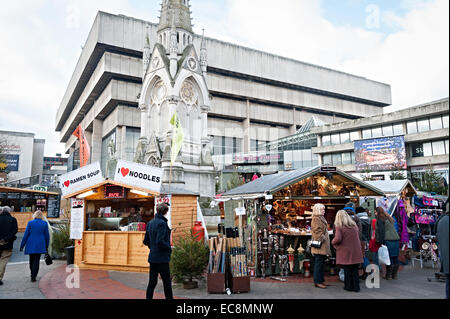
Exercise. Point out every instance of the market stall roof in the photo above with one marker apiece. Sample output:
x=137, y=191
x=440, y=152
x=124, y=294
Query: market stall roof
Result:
x=111, y=182
x=273, y=183
x=394, y=187
x=4, y=189
x=176, y=190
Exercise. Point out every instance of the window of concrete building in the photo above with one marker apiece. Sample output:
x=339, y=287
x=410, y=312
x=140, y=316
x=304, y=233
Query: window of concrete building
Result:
x=253, y=145
x=105, y=148
x=447, y=151
x=427, y=149
x=346, y=158
x=398, y=129
x=335, y=139
x=354, y=136
x=445, y=121
x=337, y=159
x=132, y=135
x=326, y=140
x=367, y=133
x=345, y=137
x=416, y=149
x=436, y=123
x=218, y=145
x=411, y=126
x=438, y=147
x=423, y=125
x=228, y=145
x=315, y=159
x=377, y=132
x=307, y=158
x=327, y=159
x=388, y=130
x=237, y=145
x=352, y=154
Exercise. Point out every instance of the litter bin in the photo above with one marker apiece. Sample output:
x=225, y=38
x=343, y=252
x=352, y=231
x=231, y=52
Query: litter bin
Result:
x=70, y=253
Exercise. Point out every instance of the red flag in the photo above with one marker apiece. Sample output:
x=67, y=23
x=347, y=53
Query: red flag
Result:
x=85, y=151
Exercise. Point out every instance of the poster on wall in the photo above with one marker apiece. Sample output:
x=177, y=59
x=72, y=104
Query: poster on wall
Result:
x=76, y=218
x=380, y=154
x=168, y=200
x=139, y=175
x=80, y=179
x=12, y=162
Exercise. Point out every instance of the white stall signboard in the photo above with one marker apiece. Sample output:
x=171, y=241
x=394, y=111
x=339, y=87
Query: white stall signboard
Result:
x=139, y=175
x=80, y=179
x=168, y=200
x=76, y=218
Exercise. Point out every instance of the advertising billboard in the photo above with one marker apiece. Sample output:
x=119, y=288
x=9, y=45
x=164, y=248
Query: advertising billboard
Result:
x=380, y=154
x=12, y=162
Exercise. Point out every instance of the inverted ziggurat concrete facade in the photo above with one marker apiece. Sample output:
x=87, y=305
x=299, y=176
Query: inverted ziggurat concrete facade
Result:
x=239, y=97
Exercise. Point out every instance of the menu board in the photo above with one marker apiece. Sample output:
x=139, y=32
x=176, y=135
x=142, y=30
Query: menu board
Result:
x=76, y=218
x=53, y=206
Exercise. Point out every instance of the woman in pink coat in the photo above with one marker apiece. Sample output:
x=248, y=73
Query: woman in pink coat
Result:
x=348, y=249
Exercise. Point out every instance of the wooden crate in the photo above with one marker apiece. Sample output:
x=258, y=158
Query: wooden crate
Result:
x=216, y=283
x=240, y=284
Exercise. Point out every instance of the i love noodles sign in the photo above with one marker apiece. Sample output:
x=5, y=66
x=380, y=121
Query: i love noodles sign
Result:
x=138, y=175
x=80, y=179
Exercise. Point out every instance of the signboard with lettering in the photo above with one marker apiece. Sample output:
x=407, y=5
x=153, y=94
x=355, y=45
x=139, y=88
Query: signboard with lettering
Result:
x=380, y=154
x=80, y=179
x=328, y=169
x=114, y=191
x=76, y=218
x=12, y=162
x=138, y=175
x=53, y=209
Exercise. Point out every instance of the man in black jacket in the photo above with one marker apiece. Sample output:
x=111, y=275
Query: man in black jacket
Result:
x=157, y=238
x=8, y=231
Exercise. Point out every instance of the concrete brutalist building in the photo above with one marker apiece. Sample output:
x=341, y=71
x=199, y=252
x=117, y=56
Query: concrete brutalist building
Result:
x=425, y=129
x=253, y=96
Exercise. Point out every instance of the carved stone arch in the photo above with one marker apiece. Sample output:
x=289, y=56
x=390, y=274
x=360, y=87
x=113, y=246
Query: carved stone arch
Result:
x=154, y=161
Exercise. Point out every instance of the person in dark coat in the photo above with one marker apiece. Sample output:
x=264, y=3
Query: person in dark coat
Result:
x=386, y=234
x=442, y=236
x=157, y=238
x=348, y=249
x=35, y=240
x=8, y=231
x=361, y=213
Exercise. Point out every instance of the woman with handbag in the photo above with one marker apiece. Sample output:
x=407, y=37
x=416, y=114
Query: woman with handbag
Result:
x=348, y=249
x=385, y=234
x=320, y=244
x=35, y=240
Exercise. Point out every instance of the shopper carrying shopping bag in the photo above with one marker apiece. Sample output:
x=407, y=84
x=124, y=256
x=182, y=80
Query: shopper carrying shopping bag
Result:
x=385, y=234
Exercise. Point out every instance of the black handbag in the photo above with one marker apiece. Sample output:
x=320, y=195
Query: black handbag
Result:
x=316, y=243
x=48, y=259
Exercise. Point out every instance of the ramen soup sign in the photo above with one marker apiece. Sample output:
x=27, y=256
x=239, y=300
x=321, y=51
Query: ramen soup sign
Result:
x=80, y=179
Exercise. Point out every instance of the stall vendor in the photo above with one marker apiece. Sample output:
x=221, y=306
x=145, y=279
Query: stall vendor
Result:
x=135, y=216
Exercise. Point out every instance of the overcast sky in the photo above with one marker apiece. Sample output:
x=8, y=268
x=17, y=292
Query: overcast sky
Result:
x=400, y=42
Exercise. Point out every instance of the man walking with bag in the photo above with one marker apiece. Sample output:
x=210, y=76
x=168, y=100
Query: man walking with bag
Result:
x=8, y=231
x=157, y=238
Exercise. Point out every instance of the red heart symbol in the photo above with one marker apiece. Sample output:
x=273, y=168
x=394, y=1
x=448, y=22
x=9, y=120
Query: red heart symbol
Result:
x=67, y=183
x=124, y=171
